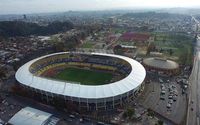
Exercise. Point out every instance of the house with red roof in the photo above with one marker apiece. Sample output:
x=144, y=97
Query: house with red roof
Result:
x=135, y=37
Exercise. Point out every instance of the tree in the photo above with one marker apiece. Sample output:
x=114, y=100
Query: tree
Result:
x=59, y=103
x=19, y=28
x=164, y=39
x=155, y=38
x=150, y=112
x=71, y=43
x=118, y=50
x=183, y=57
x=160, y=122
x=59, y=46
x=151, y=47
x=2, y=73
x=129, y=112
x=170, y=52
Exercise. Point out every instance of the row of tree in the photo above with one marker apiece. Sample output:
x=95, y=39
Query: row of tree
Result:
x=19, y=28
x=152, y=14
x=71, y=42
x=2, y=73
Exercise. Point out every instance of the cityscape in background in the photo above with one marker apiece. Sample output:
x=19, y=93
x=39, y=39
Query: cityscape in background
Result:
x=121, y=66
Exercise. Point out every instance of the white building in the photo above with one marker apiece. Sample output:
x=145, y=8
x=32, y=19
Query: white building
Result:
x=31, y=116
x=96, y=97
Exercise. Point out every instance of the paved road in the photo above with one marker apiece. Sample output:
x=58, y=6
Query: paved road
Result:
x=194, y=94
x=193, y=115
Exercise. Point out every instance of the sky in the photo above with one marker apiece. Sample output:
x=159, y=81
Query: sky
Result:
x=38, y=6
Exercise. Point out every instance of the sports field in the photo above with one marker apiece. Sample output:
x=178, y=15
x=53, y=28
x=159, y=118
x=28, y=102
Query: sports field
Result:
x=84, y=76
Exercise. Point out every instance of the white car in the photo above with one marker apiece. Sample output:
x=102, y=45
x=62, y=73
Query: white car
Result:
x=174, y=98
x=163, y=92
x=71, y=116
x=170, y=97
x=169, y=105
x=170, y=101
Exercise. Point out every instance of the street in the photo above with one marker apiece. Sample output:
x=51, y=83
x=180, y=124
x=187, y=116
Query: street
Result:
x=194, y=97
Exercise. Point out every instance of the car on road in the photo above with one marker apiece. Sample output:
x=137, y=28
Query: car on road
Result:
x=171, y=92
x=86, y=119
x=163, y=88
x=185, y=86
x=174, y=98
x=160, y=80
x=170, y=101
x=169, y=105
x=173, y=86
x=169, y=89
x=147, y=81
x=100, y=123
x=71, y=116
x=183, y=91
x=162, y=97
x=162, y=92
x=169, y=109
x=176, y=92
x=139, y=117
x=170, y=97
x=68, y=119
x=178, y=80
x=81, y=119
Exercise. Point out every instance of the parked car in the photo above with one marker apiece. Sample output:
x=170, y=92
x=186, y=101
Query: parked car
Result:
x=170, y=101
x=174, y=98
x=160, y=80
x=162, y=97
x=169, y=105
x=71, y=116
x=170, y=97
x=162, y=92
x=183, y=91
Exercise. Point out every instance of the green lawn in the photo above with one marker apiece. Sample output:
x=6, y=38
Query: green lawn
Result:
x=84, y=76
x=87, y=45
x=181, y=45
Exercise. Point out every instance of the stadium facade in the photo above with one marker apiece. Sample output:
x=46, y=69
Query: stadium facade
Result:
x=91, y=97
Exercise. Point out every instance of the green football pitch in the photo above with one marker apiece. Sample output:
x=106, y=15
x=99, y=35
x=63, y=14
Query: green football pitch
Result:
x=84, y=76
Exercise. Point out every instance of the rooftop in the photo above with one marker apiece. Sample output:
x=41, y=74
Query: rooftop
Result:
x=160, y=63
x=135, y=36
x=30, y=116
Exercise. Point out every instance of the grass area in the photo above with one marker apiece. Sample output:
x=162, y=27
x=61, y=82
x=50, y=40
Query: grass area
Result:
x=84, y=76
x=180, y=44
x=87, y=45
x=117, y=30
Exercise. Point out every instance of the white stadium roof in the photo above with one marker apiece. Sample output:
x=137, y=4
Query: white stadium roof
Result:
x=132, y=81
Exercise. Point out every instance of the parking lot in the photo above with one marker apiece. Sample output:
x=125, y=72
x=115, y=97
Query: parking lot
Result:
x=166, y=96
x=8, y=108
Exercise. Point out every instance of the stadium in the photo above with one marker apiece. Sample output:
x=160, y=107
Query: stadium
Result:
x=92, y=81
x=161, y=65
